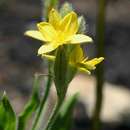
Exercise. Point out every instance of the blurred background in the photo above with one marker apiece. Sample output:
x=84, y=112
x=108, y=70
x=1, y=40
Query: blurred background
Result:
x=19, y=60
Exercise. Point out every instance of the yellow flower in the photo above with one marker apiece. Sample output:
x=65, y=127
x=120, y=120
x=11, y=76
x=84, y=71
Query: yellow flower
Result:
x=58, y=31
x=81, y=62
x=78, y=60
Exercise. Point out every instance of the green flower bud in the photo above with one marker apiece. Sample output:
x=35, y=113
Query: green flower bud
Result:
x=60, y=72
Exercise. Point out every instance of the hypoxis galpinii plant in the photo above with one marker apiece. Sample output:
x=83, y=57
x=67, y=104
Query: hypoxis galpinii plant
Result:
x=61, y=36
x=61, y=43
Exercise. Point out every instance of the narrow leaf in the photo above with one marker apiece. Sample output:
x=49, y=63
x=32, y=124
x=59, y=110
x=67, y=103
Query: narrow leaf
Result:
x=7, y=115
x=31, y=106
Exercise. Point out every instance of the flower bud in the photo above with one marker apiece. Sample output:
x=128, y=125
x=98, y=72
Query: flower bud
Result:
x=60, y=72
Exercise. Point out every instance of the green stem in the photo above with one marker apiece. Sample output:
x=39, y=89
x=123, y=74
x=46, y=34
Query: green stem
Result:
x=43, y=101
x=100, y=38
x=54, y=114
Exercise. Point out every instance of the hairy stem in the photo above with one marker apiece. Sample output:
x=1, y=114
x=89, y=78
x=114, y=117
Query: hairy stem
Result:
x=54, y=114
x=44, y=99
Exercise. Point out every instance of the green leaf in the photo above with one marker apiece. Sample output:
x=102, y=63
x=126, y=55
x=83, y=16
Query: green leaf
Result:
x=60, y=72
x=31, y=106
x=7, y=115
x=64, y=118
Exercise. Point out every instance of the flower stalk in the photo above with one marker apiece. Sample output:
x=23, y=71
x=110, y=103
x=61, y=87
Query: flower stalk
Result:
x=43, y=101
x=54, y=114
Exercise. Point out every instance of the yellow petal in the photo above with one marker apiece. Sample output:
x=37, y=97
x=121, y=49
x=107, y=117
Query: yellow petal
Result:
x=49, y=57
x=48, y=47
x=47, y=30
x=80, y=38
x=54, y=18
x=76, y=55
x=95, y=61
x=69, y=24
x=89, y=65
x=35, y=34
x=84, y=70
x=86, y=66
